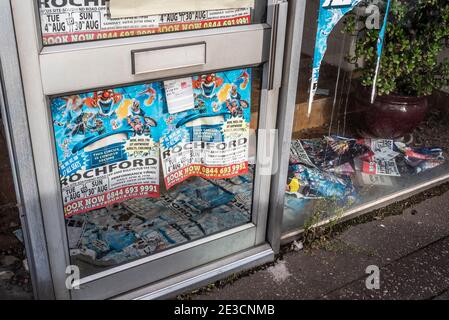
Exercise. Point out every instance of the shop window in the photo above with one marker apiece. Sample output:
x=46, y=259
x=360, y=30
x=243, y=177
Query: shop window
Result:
x=152, y=166
x=348, y=152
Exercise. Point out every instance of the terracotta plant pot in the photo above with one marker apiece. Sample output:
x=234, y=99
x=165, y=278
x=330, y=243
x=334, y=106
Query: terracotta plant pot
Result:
x=389, y=116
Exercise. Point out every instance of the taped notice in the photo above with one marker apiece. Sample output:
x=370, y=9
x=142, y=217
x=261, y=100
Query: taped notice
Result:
x=179, y=94
x=82, y=20
x=136, y=8
x=107, y=148
x=211, y=141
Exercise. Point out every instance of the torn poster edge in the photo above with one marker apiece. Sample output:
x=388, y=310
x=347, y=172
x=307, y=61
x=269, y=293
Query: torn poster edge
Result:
x=328, y=17
x=380, y=45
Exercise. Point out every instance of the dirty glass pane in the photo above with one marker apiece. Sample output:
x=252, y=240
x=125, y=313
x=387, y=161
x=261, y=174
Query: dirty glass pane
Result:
x=152, y=166
x=350, y=151
x=64, y=21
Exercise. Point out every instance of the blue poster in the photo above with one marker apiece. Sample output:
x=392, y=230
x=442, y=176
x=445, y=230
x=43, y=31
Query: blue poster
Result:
x=211, y=140
x=331, y=12
x=107, y=146
x=110, y=143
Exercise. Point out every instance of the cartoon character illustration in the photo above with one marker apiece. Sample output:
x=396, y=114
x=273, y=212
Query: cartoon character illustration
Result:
x=243, y=80
x=58, y=123
x=151, y=93
x=234, y=94
x=136, y=110
x=105, y=101
x=81, y=125
x=138, y=121
x=169, y=120
x=149, y=122
x=200, y=105
x=137, y=125
x=99, y=127
x=233, y=107
x=234, y=103
x=65, y=147
x=115, y=124
x=74, y=103
x=73, y=109
x=208, y=83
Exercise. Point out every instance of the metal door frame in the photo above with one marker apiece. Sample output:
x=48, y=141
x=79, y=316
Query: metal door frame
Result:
x=31, y=51
x=286, y=111
x=15, y=122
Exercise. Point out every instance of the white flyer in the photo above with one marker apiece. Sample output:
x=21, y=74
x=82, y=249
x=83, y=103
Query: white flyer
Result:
x=179, y=95
x=383, y=149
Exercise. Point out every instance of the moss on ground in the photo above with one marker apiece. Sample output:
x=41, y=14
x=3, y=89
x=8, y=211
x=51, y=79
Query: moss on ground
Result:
x=322, y=237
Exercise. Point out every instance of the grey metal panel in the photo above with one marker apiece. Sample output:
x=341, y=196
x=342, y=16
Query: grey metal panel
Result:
x=90, y=66
x=204, y=275
x=262, y=181
x=28, y=43
x=167, y=58
x=286, y=112
x=19, y=143
x=268, y=115
x=184, y=258
x=260, y=200
x=277, y=44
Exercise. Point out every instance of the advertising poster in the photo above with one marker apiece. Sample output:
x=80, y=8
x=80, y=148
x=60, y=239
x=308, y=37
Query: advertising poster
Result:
x=382, y=160
x=212, y=139
x=107, y=146
x=87, y=20
x=331, y=12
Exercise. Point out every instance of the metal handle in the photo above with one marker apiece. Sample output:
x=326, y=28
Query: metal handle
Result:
x=279, y=27
x=168, y=58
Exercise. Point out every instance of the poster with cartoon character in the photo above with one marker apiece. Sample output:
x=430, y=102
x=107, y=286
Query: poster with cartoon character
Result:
x=107, y=146
x=211, y=140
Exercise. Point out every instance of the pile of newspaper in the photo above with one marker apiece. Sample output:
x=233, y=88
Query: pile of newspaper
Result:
x=141, y=227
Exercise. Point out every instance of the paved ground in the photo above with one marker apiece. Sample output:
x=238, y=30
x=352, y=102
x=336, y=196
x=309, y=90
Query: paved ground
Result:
x=411, y=251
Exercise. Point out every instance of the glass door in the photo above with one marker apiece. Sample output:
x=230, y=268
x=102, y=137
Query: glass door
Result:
x=146, y=132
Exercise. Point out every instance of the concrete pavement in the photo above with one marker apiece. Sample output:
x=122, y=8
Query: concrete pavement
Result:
x=411, y=251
